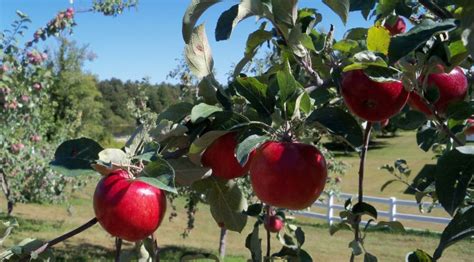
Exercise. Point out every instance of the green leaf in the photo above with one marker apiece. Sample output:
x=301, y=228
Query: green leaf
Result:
x=410, y=120
x=247, y=146
x=230, y=18
x=254, y=210
x=386, y=184
x=287, y=84
x=346, y=45
x=378, y=39
x=207, y=90
x=227, y=203
x=369, y=257
x=186, y=172
x=364, y=59
x=461, y=227
x=356, y=247
x=159, y=173
x=340, y=7
x=138, y=137
x=299, y=234
x=198, y=53
x=257, y=94
x=363, y=208
x=365, y=6
x=460, y=110
x=382, y=74
x=394, y=225
x=386, y=7
x=426, y=137
x=202, y=111
x=254, y=244
x=339, y=226
x=339, y=123
x=176, y=112
x=114, y=156
x=356, y=34
x=195, y=9
x=419, y=256
x=403, y=44
x=74, y=157
x=254, y=41
x=454, y=171
x=285, y=11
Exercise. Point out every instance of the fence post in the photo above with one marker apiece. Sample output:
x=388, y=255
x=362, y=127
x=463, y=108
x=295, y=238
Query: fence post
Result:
x=330, y=210
x=393, y=209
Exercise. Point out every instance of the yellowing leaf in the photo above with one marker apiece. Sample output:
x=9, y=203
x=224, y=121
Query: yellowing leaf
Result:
x=378, y=39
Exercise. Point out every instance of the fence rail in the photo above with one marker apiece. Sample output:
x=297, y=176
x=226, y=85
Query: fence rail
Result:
x=391, y=213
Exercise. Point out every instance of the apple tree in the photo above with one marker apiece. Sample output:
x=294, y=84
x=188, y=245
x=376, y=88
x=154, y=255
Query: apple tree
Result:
x=266, y=128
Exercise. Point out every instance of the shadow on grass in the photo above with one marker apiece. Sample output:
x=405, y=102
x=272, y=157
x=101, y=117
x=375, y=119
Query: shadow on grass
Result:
x=342, y=149
x=89, y=252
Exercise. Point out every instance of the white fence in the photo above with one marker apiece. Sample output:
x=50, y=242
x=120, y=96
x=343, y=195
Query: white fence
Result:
x=391, y=213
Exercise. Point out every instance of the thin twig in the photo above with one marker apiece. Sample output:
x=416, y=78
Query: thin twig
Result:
x=363, y=154
x=61, y=238
x=269, y=210
x=436, y=9
x=118, y=248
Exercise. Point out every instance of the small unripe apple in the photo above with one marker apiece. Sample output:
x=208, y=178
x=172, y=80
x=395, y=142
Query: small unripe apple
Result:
x=127, y=208
x=25, y=98
x=220, y=157
x=288, y=174
x=399, y=27
x=371, y=100
x=273, y=223
x=452, y=87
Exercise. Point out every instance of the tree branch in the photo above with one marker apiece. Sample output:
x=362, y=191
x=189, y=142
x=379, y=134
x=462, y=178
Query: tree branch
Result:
x=61, y=238
x=436, y=9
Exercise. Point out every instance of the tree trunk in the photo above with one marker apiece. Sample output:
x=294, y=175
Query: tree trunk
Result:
x=222, y=243
x=6, y=192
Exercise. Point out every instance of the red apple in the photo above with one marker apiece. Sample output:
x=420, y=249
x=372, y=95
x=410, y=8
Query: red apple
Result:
x=371, y=100
x=273, y=223
x=128, y=208
x=396, y=28
x=452, y=87
x=220, y=157
x=288, y=175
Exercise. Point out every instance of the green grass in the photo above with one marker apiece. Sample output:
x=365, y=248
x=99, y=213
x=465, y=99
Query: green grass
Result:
x=49, y=221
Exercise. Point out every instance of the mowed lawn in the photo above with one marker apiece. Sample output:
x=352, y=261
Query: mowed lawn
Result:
x=49, y=221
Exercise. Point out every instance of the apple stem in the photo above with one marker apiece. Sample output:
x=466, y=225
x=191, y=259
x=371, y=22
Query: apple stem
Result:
x=363, y=154
x=269, y=213
x=118, y=248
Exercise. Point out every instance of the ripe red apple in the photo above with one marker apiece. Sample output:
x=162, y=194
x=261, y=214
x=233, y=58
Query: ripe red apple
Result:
x=288, y=175
x=452, y=87
x=220, y=157
x=396, y=28
x=273, y=223
x=370, y=100
x=37, y=86
x=128, y=208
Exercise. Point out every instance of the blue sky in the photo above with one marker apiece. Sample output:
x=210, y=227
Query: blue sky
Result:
x=146, y=41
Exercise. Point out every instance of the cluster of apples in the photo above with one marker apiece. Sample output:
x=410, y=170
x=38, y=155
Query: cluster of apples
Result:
x=378, y=101
x=283, y=174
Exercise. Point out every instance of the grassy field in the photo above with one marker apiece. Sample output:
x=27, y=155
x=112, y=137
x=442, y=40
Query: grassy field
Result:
x=48, y=221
